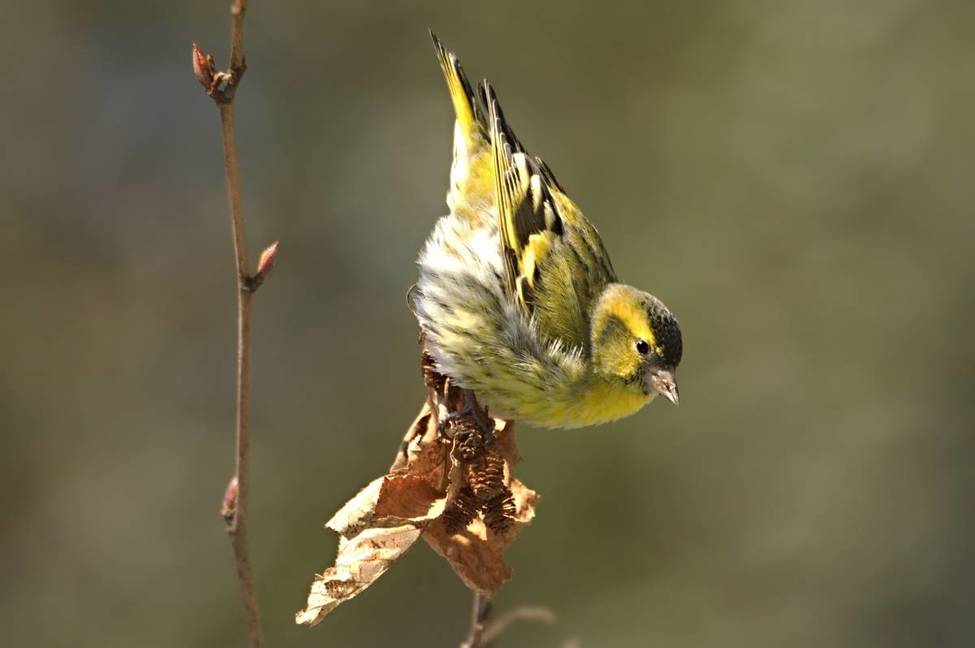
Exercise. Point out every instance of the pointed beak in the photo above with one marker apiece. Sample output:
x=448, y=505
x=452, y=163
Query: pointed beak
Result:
x=664, y=382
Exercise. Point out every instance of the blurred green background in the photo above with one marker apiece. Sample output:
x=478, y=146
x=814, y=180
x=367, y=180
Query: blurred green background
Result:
x=793, y=178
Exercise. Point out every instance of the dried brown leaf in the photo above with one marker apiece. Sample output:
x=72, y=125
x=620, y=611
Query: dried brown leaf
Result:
x=356, y=514
x=388, y=501
x=424, y=494
x=421, y=451
x=361, y=560
x=408, y=497
x=476, y=553
x=377, y=526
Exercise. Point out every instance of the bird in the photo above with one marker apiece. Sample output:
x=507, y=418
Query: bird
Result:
x=516, y=297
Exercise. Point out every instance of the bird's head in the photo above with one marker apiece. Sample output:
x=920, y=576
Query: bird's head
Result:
x=636, y=339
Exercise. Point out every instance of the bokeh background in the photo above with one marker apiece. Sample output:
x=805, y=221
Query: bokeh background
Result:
x=793, y=178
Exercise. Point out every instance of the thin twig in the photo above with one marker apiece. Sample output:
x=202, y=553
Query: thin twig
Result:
x=221, y=86
x=524, y=613
x=484, y=631
x=480, y=613
x=237, y=10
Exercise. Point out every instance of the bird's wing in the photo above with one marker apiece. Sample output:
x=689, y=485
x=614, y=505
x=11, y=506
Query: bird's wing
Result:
x=555, y=264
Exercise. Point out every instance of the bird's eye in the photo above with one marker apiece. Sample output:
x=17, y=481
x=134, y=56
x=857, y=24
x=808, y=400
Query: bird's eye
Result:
x=642, y=347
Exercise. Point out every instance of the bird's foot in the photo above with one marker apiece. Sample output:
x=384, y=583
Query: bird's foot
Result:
x=470, y=420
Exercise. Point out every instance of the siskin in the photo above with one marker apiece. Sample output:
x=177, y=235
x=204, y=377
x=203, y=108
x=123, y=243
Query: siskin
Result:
x=516, y=296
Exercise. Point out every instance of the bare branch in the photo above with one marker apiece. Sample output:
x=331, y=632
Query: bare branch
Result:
x=484, y=631
x=237, y=11
x=480, y=613
x=524, y=613
x=221, y=86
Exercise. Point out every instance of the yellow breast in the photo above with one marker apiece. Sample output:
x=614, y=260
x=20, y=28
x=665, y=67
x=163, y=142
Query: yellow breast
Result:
x=600, y=401
x=606, y=401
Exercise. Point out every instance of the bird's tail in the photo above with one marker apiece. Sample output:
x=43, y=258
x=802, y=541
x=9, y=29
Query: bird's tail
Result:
x=471, y=117
x=471, y=193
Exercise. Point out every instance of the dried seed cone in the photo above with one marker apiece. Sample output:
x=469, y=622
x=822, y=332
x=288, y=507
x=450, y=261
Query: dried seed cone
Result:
x=461, y=511
x=486, y=476
x=500, y=511
x=469, y=443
